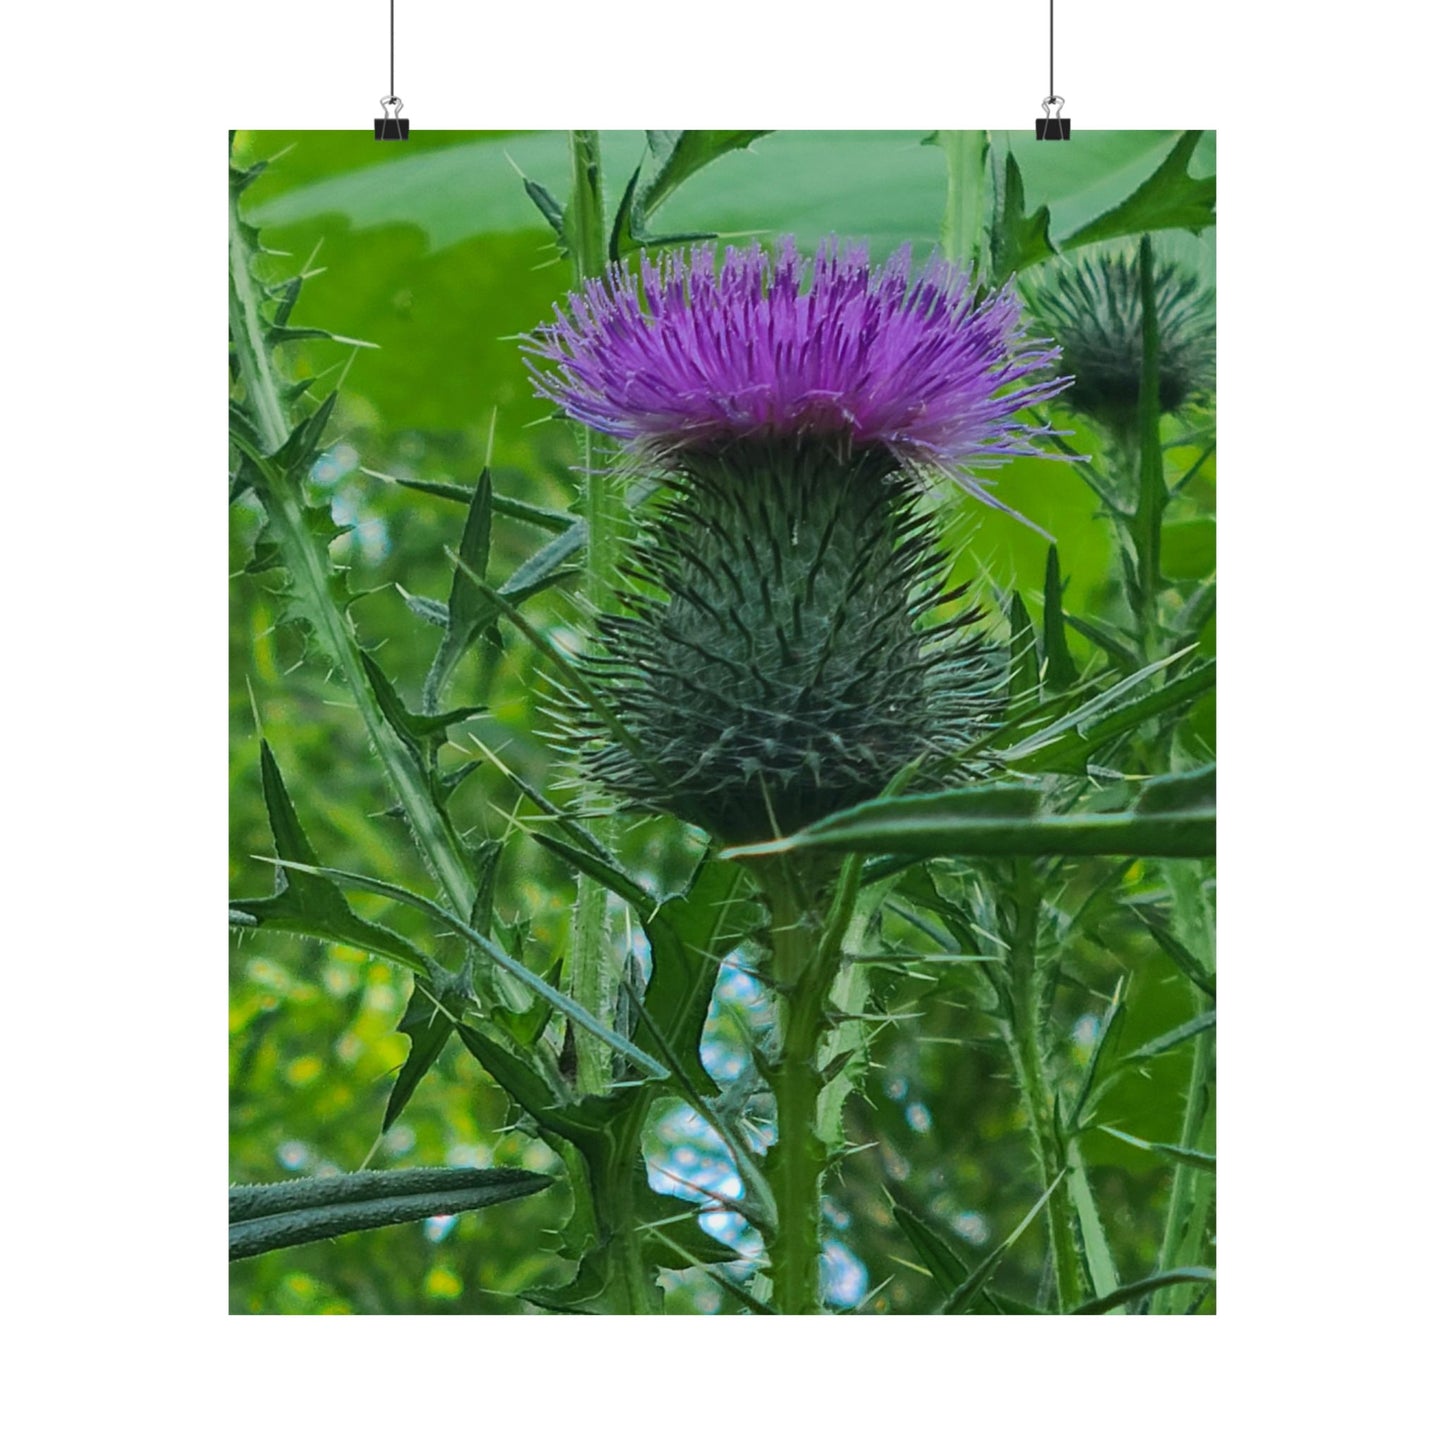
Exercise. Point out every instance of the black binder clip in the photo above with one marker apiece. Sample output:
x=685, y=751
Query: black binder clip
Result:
x=393, y=127
x=1052, y=127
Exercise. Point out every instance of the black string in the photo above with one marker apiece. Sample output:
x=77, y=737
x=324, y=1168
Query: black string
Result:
x=393, y=46
x=1051, y=48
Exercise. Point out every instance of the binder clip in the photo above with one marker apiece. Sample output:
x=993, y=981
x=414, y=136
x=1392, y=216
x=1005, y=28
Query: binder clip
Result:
x=1052, y=127
x=392, y=127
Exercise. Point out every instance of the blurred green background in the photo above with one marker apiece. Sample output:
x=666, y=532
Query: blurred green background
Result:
x=433, y=252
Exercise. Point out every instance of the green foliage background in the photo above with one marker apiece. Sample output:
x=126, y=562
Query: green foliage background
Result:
x=433, y=253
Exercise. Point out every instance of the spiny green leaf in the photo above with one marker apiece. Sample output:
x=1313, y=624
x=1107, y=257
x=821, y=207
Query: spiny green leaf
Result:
x=675, y=1243
x=1191, y=1158
x=1198, y=611
x=1004, y=1305
x=1061, y=672
x=443, y=786
x=279, y=335
x=426, y=608
x=428, y=1022
x=1067, y=743
x=1141, y=1287
x=933, y=1248
x=606, y=871
x=1023, y=658
x=559, y=1001
x=488, y=864
x=244, y=433
x=526, y=1026
x=1170, y=1040
x=522, y=1082
x=574, y=676
x=1113, y=1019
x=1098, y=1259
x=468, y=611
x=1109, y=640
x=574, y=829
x=587, y=1123
x=587, y=1293
x=1170, y=817
x=308, y=904
x=466, y=602
x=545, y=562
x=1170, y=199
x=302, y=447
x=688, y=934
x=412, y=728
x=275, y=1216
x=1018, y=240
x=548, y=518
x=286, y=295
x=965, y=1292
x=672, y=157
x=241, y=178
x=549, y=205
x=757, y=1204
x=448, y=491
x=1183, y=959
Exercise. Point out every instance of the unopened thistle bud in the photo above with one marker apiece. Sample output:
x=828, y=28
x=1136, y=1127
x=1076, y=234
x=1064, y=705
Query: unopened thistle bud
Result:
x=772, y=656
x=1095, y=309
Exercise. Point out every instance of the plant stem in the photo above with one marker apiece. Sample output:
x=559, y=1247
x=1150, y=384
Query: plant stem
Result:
x=586, y=221
x=849, y=996
x=1025, y=1041
x=804, y=964
x=1191, y=1190
x=308, y=564
x=593, y=978
x=1147, y=522
x=636, y=1293
x=966, y=206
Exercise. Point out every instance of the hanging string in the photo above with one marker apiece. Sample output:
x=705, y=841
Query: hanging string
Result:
x=1051, y=48
x=1053, y=126
x=391, y=126
x=392, y=90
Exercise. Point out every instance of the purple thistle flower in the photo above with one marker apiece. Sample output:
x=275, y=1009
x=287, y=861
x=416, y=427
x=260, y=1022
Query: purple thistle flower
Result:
x=774, y=658
x=688, y=356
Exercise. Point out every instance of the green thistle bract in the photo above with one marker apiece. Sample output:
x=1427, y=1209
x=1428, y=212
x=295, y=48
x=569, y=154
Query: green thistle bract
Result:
x=771, y=661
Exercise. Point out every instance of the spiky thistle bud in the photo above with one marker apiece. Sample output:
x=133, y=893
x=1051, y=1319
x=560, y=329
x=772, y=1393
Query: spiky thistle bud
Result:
x=772, y=658
x=1094, y=307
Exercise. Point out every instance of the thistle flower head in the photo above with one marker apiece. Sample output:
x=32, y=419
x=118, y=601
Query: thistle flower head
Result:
x=786, y=644
x=687, y=355
x=1095, y=308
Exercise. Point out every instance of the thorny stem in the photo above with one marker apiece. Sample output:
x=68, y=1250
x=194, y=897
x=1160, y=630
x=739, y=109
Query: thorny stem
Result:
x=1190, y=1192
x=639, y=1295
x=965, y=215
x=1187, y=1197
x=309, y=566
x=1025, y=1040
x=593, y=973
x=1147, y=522
x=594, y=977
x=804, y=965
